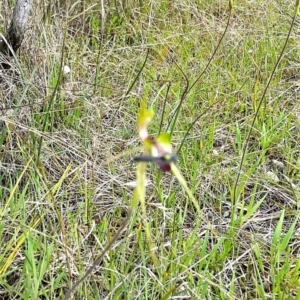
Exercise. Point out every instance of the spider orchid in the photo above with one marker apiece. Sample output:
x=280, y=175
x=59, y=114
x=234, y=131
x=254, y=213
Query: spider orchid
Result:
x=158, y=151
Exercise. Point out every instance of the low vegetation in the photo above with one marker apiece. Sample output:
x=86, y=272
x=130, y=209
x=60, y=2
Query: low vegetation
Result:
x=223, y=80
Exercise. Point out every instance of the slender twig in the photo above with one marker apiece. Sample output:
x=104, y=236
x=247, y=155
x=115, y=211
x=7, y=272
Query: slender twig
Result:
x=183, y=96
x=164, y=108
x=132, y=85
x=99, y=258
x=189, y=88
x=261, y=101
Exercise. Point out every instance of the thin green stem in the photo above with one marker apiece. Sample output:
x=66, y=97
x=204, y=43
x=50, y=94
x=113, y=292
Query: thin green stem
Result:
x=100, y=257
x=189, y=88
x=131, y=86
x=260, y=104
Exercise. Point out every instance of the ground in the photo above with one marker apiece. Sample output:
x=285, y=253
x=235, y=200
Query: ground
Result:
x=69, y=132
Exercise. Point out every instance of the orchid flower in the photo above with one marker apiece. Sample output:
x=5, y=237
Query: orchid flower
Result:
x=159, y=150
